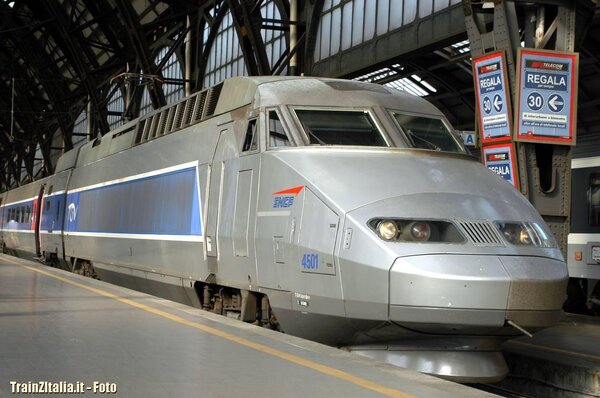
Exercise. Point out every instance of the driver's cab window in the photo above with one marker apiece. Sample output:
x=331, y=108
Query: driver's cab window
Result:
x=277, y=134
x=251, y=138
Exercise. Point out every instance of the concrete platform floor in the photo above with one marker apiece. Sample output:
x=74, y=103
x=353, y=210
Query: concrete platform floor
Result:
x=63, y=328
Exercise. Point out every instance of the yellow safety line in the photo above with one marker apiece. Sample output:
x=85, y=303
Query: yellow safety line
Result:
x=390, y=392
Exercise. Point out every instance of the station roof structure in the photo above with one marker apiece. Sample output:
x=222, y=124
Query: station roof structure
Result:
x=71, y=70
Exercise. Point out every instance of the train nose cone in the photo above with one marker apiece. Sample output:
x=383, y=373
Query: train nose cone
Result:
x=452, y=292
x=474, y=293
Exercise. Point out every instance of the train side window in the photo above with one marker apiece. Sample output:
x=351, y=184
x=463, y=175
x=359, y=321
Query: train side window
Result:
x=28, y=214
x=594, y=199
x=251, y=138
x=47, y=205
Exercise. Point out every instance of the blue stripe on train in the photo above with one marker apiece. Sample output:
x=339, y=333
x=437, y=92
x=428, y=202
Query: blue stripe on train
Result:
x=165, y=204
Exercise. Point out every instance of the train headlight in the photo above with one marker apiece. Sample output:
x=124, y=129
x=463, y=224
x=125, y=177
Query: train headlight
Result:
x=419, y=231
x=515, y=233
x=526, y=234
x=387, y=229
x=524, y=237
x=403, y=230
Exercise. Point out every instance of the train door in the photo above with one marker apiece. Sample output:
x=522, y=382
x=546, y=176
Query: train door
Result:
x=37, y=219
x=234, y=203
x=244, y=174
x=223, y=151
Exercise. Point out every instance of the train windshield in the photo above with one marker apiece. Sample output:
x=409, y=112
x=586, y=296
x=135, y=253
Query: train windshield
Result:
x=340, y=127
x=427, y=133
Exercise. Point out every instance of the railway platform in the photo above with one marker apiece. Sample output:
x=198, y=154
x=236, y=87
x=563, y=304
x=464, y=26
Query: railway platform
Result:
x=74, y=335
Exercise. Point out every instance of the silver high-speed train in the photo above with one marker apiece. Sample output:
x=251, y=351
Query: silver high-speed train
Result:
x=338, y=211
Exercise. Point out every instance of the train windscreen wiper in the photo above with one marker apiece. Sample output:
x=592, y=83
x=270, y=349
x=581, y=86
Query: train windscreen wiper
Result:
x=313, y=135
x=414, y=136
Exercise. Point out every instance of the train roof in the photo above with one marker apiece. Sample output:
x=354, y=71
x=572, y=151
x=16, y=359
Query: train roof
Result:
x=299, y=90
x=235, y=93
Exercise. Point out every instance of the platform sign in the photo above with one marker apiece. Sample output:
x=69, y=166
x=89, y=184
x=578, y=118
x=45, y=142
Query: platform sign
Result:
x=500, y=159
x=493, y=100
x=469, y=138
x=547, y=96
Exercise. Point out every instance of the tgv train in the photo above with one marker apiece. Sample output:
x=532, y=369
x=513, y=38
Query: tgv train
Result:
x=338, y=211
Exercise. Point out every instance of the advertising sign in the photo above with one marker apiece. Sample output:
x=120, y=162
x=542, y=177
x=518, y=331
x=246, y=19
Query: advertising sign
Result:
x=547, y=97
x=493, y=106
x=500, y=159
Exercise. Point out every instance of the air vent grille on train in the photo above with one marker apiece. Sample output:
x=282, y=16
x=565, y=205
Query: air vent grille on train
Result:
x=481, y=233
x=182, y=114
x=213, y=98
x=200, y=103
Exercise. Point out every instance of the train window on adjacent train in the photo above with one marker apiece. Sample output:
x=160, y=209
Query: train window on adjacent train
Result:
x=338, y=127
x=277, y=134
x=428, y=133
x=251, y=138
x=594, y=199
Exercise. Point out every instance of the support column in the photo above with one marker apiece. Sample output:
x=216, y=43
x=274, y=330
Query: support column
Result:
x=544, y=169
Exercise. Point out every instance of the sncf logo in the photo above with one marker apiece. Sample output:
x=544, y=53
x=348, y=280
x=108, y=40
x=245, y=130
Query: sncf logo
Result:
x=285, y=199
